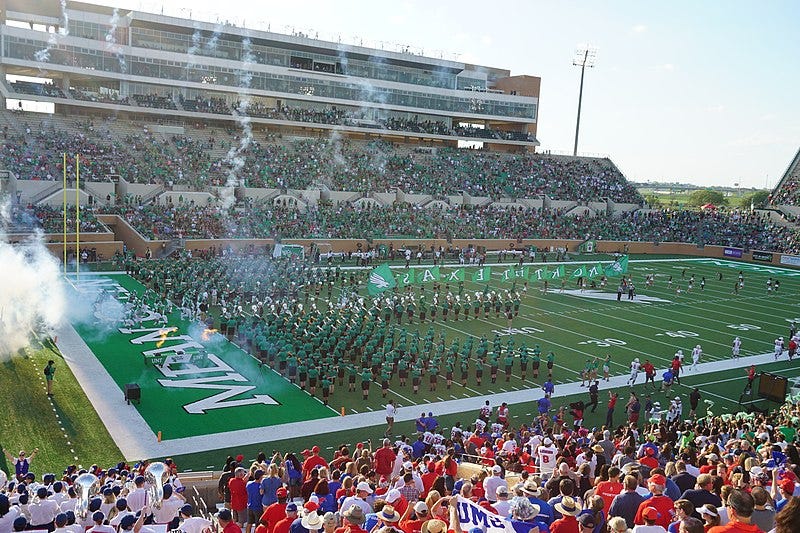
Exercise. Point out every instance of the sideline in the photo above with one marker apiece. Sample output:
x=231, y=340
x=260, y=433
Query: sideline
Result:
x=136, y=440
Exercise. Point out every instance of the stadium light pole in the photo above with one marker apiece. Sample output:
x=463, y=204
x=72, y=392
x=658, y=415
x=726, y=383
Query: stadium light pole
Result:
x=585, y=56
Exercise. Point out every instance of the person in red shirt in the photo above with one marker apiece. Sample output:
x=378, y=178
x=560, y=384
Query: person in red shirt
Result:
x=313, y=461
x=711, y=466
x=663, y=505
x=276, y=512
x=740, y=507
x=384, y=459
x=428, y=478
x=751, y=376
x=238, y=487
x=226, y=521
x=291, y=515
x=608, y=490
x=676, y=369
x=567, y=523
x=649, y=458
x=649, y=373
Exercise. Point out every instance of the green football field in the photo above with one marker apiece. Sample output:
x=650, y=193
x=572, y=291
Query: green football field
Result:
x=575, y=325
x=227, y=390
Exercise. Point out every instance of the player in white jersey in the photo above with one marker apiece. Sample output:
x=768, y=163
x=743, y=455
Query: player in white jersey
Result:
x=679, y=355
x=635, y=365
x=778, y=347
x=737, y=345
x=697, y=351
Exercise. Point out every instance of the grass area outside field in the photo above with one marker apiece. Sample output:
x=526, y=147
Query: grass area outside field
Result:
x=66, y=431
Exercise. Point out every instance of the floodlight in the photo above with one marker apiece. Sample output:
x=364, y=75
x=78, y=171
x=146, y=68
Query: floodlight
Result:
x=585, y=56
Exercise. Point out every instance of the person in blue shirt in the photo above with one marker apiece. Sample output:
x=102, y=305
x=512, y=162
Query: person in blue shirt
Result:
x=254, y=507
x=668, y=378
x=544, y=405
x=431, y=423
x=548, y=387
x=418, y=448
x=421, y=423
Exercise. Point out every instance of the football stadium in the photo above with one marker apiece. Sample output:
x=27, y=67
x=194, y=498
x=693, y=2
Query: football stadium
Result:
x=262, y=280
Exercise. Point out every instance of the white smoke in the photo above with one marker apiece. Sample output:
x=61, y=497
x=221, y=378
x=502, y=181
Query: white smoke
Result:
x=43, y=55
x=111, y=41
x=195, y=48
x=32, y=297
x=237, y=153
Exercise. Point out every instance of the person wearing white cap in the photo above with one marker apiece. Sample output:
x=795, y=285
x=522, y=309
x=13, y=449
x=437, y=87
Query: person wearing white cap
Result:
x=363, y=490
x=494, y=482
x=408, y=468
x=503, y=504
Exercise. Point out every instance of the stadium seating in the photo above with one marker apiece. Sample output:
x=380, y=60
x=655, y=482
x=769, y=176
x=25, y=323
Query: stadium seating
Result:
x=34, y=152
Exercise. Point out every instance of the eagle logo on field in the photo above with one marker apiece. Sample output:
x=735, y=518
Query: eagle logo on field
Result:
x=378, y=281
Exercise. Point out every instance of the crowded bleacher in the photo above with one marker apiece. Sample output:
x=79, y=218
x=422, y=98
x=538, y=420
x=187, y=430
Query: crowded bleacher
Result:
x=732, y=474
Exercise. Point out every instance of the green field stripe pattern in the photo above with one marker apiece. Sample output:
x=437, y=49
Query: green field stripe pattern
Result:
x=187, y=402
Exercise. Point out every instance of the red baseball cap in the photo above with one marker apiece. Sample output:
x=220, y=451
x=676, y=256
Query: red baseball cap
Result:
x=786, y=485
x=311, y=507
x=281, y=492
x=658, y=479
x=315, y=449
x=305, y=452
x=650, y=513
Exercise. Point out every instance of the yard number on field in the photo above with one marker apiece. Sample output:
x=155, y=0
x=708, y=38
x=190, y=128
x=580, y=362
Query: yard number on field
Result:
x=743, y=327
x=680, y=334
x=604, y=343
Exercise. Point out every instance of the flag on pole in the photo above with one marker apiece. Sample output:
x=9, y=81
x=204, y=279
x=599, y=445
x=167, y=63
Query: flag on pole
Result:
x=482, y=275
x=594, y=271
x=454, y=275
x=380, y=279
x=539, y=274
x=521, y=272
x=508, y=275
x=579, y=272
x=558, y=273
x=406, y=277
x=428, y=275
x=617, y=268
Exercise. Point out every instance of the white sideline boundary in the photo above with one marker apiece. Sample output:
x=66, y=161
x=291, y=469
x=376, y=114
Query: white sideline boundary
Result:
x=136, y=440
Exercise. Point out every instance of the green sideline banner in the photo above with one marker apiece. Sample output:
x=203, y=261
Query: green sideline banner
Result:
x=382, y=279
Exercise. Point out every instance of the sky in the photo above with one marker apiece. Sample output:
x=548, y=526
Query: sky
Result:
x=700, y=92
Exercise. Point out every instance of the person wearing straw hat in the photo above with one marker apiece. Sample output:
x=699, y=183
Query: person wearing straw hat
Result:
x=533, y=491
x=388, y=519
x=311, y=521
x=352, y=520
x=434, y=526
x=568, y=523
